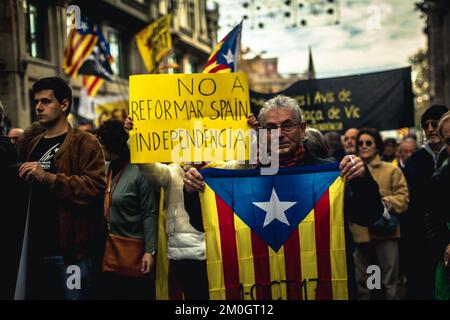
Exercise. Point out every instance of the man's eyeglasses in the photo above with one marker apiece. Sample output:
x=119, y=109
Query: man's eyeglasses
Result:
x=367, y=142
x=433, y=123
x=285, y=127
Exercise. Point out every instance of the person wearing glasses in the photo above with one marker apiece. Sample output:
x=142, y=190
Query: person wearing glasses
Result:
x=421, y=257
x=362, y=199
x=378, y=244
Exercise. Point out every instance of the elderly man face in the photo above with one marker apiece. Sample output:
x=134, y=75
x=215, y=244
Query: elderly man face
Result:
x=406, y=149
x=291, y=133
x=14, y=134
x=349, y=140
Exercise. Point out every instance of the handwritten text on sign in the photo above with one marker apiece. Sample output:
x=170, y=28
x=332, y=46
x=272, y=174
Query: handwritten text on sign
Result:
x=189, y=117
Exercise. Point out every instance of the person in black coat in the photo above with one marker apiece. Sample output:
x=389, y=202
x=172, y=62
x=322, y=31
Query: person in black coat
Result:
x=13, y=217
x=417, y=230
x=438, y=193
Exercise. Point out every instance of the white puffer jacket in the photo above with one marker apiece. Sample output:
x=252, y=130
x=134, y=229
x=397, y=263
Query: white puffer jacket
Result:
x=184, y=241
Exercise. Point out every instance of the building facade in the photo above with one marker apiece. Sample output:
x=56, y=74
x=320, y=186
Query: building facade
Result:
x=33, y=37
x=438, y=31
x=263, y=75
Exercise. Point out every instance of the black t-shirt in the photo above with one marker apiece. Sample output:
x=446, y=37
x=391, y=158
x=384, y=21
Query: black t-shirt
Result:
x=44, y=216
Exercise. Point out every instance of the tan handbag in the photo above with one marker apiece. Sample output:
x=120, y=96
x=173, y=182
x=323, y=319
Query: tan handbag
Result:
x=123, y=256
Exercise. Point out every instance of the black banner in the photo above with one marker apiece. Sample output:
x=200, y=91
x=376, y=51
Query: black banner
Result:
x=380, y=100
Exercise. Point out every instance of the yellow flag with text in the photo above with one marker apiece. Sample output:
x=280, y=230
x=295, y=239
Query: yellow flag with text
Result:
x=154, y=42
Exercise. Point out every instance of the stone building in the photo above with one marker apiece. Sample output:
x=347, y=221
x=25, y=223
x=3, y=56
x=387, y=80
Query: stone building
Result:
x=33, y=36
x=438, y=31
x=263, y=75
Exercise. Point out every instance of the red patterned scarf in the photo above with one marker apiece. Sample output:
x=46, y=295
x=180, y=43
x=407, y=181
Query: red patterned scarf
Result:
x=293, y=161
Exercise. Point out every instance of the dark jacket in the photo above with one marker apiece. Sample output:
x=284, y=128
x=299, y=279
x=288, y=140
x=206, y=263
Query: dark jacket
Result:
x=439, y=208
x=418, y=171
x=362, y=200
x=79, y=186
x=12, y=210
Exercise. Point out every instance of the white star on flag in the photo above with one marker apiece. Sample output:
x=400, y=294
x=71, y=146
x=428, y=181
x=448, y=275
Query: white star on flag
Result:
x=229, y=56
x=84, y=26
x=275, y=209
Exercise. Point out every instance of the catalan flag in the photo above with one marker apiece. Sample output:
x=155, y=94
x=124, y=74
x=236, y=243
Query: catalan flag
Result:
x=92, y=84
x=98, y=63
x=275, y=237
x=79, y=46
x=166, y=287
x=224, y=58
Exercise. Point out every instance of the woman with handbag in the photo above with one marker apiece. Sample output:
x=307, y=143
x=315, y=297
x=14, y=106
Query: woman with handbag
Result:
x=131, y=217
x=378, y=245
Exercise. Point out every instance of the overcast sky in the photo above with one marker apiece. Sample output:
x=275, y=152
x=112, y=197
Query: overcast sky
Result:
x=372, y=35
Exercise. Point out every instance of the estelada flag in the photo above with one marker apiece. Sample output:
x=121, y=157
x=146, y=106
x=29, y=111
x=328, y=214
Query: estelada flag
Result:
x=224, y=58
x=275, y=237
x=79, y=46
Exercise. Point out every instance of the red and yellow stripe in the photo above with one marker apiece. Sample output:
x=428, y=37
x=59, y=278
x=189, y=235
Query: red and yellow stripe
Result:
x=78, y=48
x=92, y=84
x=212, y=66
x=242, y=266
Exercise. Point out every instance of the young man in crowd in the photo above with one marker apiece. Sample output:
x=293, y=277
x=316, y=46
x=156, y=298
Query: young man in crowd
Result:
x=65, y=169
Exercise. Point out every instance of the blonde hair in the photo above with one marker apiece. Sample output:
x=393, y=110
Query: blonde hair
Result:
x=445, y=118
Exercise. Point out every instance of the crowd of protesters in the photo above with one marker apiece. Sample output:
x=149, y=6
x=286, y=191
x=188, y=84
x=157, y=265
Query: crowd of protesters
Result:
x=72, y=198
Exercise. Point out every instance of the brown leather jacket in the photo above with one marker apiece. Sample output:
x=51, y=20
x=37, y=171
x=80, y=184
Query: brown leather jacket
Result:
x=79, y=186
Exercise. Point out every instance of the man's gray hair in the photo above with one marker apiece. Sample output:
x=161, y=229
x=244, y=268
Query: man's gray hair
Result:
x=280, y=102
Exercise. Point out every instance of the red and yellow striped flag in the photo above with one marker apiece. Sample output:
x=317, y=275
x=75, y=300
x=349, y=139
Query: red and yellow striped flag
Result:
x=92, y=84
x=79, y=46
x=224, y=58
x=165, y=284
x=275, y=237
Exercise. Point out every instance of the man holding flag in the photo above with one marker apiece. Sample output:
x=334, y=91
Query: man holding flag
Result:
x=272, y=228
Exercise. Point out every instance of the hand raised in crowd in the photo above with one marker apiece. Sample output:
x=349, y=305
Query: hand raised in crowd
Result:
x=352, y=167
x=447, y=255
x=128, y=124
x=147, y=263
x=253, y=122
x=193, y=181
x=32, y=170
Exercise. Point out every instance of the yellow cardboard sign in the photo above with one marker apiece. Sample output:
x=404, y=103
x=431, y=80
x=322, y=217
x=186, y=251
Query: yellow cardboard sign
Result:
x=154, y=42
x=189, y=117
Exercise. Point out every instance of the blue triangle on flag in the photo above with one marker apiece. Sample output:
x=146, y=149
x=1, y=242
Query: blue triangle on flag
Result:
x=272, y=206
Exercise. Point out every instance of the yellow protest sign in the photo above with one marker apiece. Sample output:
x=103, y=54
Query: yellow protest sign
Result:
x=189, y=117
x=154, y=42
